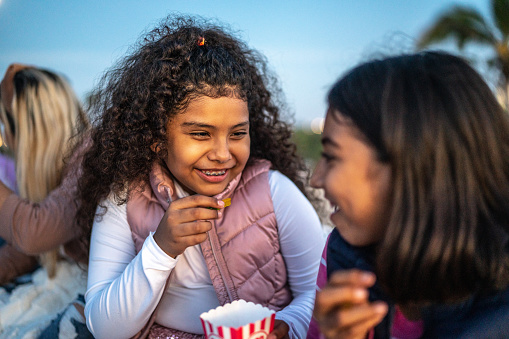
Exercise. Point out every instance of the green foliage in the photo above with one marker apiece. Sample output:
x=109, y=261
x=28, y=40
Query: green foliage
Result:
x=501, y=15
x=308, y=145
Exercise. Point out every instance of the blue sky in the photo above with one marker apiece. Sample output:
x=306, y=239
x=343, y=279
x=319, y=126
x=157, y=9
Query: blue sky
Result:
x=309, y=44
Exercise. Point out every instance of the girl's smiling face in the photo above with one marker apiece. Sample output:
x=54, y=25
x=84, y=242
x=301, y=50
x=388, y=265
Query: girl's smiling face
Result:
x=355, y=182
x=208, y=144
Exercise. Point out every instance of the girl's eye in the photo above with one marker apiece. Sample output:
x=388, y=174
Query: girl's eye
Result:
x=327, y=157
x=199, y=135
x=239, y=134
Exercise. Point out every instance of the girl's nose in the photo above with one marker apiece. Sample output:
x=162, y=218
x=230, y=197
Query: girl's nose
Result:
x=220, y=152
x=317, y=176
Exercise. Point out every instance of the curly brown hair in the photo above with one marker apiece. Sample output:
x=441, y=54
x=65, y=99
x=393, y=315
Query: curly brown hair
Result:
x=168, y=67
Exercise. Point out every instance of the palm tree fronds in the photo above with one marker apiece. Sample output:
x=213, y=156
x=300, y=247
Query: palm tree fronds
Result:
x=463, y=24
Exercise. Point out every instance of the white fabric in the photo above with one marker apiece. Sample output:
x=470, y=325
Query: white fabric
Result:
x=124, y=288
x=31, y=307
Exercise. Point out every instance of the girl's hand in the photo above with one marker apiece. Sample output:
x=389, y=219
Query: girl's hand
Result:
x=342, y=309
x=186, y=223
x=280, y=330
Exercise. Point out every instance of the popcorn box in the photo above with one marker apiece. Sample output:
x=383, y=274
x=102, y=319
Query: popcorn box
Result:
x=238, y=320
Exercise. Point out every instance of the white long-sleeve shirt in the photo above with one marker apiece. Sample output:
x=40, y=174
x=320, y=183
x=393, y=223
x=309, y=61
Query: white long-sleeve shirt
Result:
x=124, y=287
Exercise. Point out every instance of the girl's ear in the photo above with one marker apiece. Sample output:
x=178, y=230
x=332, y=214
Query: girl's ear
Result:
x=156, y=147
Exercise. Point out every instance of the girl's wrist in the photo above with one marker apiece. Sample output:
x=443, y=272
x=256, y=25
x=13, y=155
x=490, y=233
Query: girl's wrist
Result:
x=162, y=245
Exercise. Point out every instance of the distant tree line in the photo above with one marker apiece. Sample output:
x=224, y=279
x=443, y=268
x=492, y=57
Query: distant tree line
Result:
x=308, y=145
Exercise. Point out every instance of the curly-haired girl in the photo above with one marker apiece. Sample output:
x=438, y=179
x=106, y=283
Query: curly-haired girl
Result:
x=416, y=159
x=186, y=121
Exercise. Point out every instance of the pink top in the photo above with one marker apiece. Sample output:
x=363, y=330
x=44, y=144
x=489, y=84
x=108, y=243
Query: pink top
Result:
x=8, y=171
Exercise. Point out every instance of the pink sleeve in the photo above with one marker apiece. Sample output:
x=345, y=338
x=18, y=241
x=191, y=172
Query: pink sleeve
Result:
x=321, y=281
x=34, y=228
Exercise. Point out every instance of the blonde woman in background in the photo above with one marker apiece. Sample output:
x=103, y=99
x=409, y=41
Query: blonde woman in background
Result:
x=40, y=114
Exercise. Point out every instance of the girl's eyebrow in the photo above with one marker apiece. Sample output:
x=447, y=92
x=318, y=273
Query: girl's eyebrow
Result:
x=195, y=124
x=203, y=125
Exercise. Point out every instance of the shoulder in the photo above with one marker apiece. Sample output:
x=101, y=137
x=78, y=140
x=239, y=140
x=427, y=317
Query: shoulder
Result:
x=109, y=208
x=281, y=184
x=293, y=210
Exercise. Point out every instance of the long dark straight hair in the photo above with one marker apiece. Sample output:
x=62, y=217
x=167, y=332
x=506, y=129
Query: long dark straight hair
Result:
x=439, y=126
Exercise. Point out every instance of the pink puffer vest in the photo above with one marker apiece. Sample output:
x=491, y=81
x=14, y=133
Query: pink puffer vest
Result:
x=243, y=246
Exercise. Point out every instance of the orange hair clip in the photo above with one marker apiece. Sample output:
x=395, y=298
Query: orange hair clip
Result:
x=201, y=41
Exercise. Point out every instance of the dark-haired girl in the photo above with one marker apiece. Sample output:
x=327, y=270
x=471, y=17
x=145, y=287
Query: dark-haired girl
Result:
x=416, y=161
x=186, y=121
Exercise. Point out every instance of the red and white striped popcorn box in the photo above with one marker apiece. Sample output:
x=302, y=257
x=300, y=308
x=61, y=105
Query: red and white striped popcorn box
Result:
x=238, y=320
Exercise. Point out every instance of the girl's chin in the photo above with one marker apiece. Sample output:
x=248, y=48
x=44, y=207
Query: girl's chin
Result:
x=338, y=220
x=349, y=233
x=210, y=191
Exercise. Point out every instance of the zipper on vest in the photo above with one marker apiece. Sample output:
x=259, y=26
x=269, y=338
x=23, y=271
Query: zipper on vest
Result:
x=219, y=266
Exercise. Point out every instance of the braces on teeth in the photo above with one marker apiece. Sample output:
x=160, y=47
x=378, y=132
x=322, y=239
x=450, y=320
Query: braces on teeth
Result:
x=214, y=173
